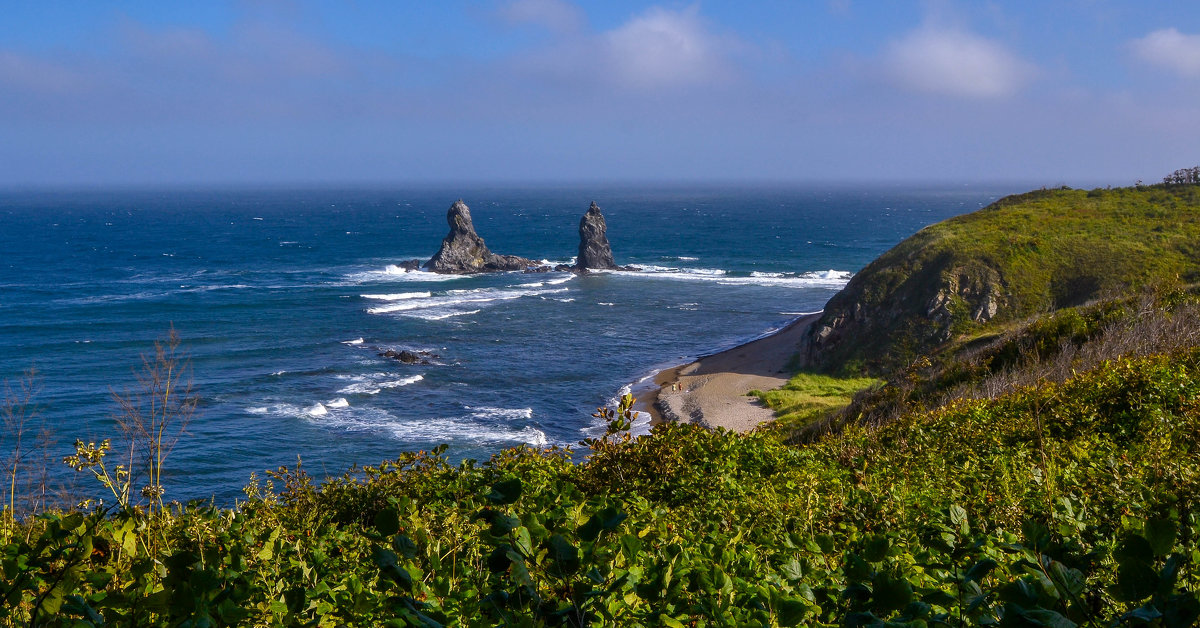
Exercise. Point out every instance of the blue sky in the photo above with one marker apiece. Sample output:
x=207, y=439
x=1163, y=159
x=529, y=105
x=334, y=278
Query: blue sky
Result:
x=1073, y=92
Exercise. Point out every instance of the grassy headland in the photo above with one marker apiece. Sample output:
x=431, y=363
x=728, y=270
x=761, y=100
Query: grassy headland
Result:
x=1040, y=467
x=1024, y=255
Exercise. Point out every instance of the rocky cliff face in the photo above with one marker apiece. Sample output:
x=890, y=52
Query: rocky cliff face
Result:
x=876, y=321
x=463, y=251
x=594, y=249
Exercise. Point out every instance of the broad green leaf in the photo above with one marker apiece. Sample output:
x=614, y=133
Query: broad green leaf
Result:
x=1135, y=582
x=1048, y=618
x=523, y=543
x=958, y=517
x=792, y=570
x=1134, y=549
x=1160, y=534
x=876, y=549
x=791, y=611
x=405, y=546
x=980, y=570
x=856, y=569
x=387, y=522
x=505, y=491
x=891, y=593
x=1069, y=581
x=564, y=555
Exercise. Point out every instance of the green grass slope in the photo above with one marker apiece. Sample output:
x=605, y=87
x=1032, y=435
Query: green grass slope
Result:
x=1023, y=255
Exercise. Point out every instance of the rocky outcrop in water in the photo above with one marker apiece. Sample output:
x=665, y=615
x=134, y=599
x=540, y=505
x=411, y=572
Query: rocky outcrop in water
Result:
x=594, y=249
x=463, y=251
x=409, y=357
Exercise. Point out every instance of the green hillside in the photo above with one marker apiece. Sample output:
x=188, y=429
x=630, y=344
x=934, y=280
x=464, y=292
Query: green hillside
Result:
x=1024, y=255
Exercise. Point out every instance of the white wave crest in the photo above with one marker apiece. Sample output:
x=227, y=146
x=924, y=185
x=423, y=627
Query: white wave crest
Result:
x=448, y=429
x=392, y=272
x=452, y=301
x=374, y=383
x=428, y=430
x=398, y=296
x=813, y=279
x=508, y=414
x=340, y=402
x=356, y=341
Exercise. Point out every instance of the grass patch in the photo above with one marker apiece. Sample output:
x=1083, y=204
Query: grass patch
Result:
x=807, y=397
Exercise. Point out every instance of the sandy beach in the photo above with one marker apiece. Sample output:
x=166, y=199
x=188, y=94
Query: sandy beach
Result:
x=712, y=390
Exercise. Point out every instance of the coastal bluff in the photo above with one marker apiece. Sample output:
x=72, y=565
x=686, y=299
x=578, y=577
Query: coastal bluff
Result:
x=463, y=251
x=1022, y=256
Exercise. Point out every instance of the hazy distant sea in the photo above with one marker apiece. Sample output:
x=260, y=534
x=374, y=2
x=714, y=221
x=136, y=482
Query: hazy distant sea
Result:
x=285, y=298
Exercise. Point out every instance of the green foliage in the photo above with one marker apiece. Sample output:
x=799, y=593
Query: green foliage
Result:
x=1063, y=504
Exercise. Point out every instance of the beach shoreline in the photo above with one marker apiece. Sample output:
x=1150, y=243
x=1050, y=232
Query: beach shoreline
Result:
x=711, y=391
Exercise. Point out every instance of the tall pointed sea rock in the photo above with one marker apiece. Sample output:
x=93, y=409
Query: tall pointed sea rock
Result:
x=594, y=249
x=463, y=251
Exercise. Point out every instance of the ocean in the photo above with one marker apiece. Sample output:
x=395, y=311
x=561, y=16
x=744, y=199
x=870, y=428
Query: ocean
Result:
x=285, y=298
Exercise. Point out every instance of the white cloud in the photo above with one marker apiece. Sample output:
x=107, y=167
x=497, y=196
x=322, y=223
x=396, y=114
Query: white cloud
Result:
x=662, y=47
x=956, y=63
x=659, y=49
x=558, y=16
x=1168, y=48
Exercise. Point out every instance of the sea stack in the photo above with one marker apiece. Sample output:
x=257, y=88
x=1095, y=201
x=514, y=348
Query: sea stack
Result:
x=463, y=251
x=594, y=250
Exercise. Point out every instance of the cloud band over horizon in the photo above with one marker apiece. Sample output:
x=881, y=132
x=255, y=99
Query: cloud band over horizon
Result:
x=550, y=90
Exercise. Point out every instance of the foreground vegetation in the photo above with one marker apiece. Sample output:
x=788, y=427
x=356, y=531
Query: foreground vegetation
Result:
x=1058, y=505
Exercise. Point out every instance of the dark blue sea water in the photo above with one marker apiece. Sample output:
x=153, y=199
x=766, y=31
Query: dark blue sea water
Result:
x=284, y=299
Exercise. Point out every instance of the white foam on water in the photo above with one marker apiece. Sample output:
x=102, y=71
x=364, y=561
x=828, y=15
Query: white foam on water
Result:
x=361, y=389
x=392, y=272
x=447, y=304
x=356, y=341
x=425, y=429
x=398, y=296
x=375, y=383
x=560, y=280
x=340, y=402
x=815, y=279
x=508, y=414
x=606, y=303
x=404, y=381
x=442, y=317
x=448, y=429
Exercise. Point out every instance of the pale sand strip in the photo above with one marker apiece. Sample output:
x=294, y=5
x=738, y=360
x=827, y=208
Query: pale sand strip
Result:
x=712, y=390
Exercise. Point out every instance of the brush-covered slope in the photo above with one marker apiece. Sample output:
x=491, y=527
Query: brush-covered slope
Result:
x=1023, y=255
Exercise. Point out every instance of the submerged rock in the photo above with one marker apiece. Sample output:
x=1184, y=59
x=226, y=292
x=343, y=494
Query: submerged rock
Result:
x=463, y=251
x=409, y=357
x=594, y=249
